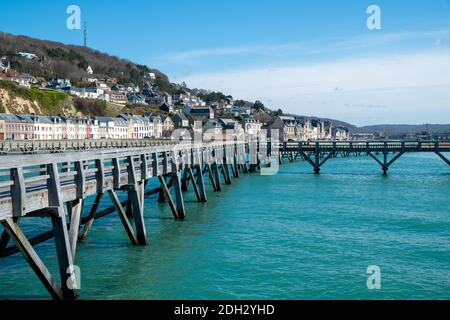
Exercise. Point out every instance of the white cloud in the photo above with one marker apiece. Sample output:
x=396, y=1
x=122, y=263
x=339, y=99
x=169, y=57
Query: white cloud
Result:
x=202, y=53
x=414, y=88
x=311, y=47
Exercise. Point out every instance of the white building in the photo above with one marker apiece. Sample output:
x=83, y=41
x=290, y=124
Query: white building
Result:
x=139, y=127
x=252, y=126
x=112, y=128
x=43, y=126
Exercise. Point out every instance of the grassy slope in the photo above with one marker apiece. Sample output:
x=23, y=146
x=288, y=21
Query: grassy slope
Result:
x=50, y=102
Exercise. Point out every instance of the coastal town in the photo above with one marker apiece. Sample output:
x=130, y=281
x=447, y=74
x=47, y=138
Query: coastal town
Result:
x=185, y=114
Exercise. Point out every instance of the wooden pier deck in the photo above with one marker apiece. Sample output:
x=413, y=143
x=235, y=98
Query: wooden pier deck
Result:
x=56, y=185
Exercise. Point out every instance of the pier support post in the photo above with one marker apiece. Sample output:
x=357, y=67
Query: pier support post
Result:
x=123, y=217
x=185, y=180
x=162, y=195
x=201, y=183
x=226, y=173
x=4, y=239
x=382, y=164
x=181, y=212
x=62, y=243
x=385, y=167
x=215, y=174
x=385, y=164
x=447, y=161
x=64, y=254
x=212, y=176
x=234, y=166
x=317, y=159
x=135, y=190
x=194, y=184
x=166, y=192
x=244, y=167
x=91, y=216
x=314, y=164
x=100, y=179
x=128, y=207
x=137, y=210
x=235, y=169
x=75, y=218
x=39, y=268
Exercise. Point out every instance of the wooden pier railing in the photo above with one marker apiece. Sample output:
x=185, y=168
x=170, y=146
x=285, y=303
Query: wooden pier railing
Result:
x=58, y=146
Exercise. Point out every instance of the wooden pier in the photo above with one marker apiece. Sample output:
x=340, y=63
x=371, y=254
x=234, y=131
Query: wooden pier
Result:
x=55, y=186
x=318, y=153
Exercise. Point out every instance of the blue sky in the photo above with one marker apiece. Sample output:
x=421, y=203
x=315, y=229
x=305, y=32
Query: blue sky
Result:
x=308, y=57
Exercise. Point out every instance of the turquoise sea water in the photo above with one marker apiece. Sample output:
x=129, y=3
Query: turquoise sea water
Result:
x=294, y=235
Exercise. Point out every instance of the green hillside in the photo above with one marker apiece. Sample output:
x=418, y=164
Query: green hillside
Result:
x=60, y=60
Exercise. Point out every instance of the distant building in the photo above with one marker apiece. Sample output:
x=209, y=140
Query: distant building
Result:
x=180, y=121
x=136, y=98
x=59, y=84
x=167, y=98
x=199, y=112
x=14, y=128
x=288, y=127
x=167, y=126
x=112, y=128
x=118, y=97
x=26, y=80
x=43, y=128
x=231, y=128
x=119, y=88
x=251, y=126
x=150, y=75
x=4, y=65
x=132, y=88
x=166, y=107
x=212, y=130
x=89, y=70
x=28, y=56
x=340, y=133
x=139, y=127
x=156, y=119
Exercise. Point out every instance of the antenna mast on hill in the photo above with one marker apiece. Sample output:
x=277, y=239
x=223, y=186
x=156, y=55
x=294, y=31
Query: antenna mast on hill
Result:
x=85, y=34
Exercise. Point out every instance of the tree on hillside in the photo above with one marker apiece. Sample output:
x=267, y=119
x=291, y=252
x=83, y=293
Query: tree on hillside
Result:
x=212, y=96
x=239, y=103
x=258, y=105
x=135, y=76
x=279, y=112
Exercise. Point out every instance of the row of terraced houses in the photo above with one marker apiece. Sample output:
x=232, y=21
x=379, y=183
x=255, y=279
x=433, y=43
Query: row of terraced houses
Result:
x=158, y=126
x=186, y=112
x=38, y=127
